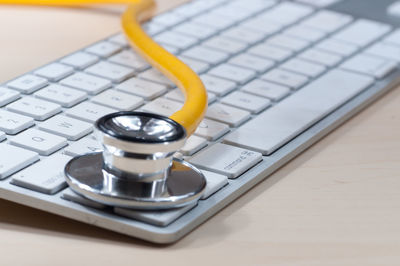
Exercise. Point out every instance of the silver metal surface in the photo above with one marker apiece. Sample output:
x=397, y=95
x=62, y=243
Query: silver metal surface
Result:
x=136, y=169
x=141, y=144
x=184, y=185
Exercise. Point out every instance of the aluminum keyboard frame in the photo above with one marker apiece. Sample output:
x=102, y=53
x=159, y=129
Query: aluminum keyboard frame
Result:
x=207, y=208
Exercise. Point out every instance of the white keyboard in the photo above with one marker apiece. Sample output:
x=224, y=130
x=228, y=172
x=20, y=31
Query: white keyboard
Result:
x=280, y=75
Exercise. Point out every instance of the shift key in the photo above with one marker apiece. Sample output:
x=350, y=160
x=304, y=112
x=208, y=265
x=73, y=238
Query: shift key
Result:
x=227, y=160
x=46, y=176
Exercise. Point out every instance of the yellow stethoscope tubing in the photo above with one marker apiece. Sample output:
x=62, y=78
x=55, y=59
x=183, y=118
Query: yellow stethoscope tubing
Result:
x=195, y=106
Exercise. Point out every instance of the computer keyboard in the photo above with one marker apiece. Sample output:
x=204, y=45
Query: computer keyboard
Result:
x=280, y=75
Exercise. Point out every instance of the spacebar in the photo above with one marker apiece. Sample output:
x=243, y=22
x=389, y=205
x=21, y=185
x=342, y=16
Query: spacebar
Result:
x=287, y=119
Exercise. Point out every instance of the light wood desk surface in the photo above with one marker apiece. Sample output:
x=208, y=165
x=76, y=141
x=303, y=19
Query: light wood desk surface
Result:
x=336, y=204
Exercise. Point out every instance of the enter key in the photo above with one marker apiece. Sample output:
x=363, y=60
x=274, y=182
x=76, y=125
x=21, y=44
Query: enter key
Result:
x=227, y=160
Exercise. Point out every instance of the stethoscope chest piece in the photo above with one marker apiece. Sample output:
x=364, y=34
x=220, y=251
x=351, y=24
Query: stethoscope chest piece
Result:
x=137, y=169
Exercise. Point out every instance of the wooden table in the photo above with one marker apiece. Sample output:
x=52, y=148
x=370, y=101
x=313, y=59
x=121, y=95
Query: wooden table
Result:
x=336, y=204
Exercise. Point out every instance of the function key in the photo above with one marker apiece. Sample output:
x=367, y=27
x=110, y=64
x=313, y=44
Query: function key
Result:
x=27, y=83
x=104, y=49
x=54, y=71
x=7, y=96
x=80, y=60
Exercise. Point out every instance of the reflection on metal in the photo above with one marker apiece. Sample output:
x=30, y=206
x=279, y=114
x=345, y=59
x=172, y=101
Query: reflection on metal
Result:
x=136, y=168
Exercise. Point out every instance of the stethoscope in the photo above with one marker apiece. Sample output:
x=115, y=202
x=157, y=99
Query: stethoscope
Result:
x=137, y=168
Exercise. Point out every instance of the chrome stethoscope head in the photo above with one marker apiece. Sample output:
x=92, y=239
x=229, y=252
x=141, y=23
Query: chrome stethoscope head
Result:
x=136, y=168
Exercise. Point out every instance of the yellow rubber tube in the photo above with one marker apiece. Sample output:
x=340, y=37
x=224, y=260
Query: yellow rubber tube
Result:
x=195, y=106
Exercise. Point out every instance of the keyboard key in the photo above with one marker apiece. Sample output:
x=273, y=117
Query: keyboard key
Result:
x=234, y=73
x=327, y=21
x=216, y=85
x=270, y=52
x=211, y=130
x=7, y=96
x=143, y=88
x=362, y=32
x=287, y=42
x=168, y=19
x=279, y=124
x=13, y=159
x=195, y=65
x=152, y=28
x=226, y=45
x=317, y=56
x=86, y=83
x=171, y=49
x=394, y=9
x=246, y=101
x=162, y=106
x=39, y=141
x=261, y=26
x=214, y=183
x=195, y=30
x=226, y=160
x=104, y=49
x=192, y=145
x=393, y=38
x=158, y=218
x=46, y=176
x=266, y=28
x=305, y=33
x=286, y=13
x=80, y=60
x=129, y=59
x=86, y=145
x=35, y=108
x=70, y=195
x=177, y=95
x=119, y=39
x=255, y=5
x=370, y=65
x=213, y=20
x=66, y=127
x=234, y=12
x=303, y=67
x=12, y=123
x=387, y=51
x=175, y=39
x=194, y=8
x=266, y=89
x=227, y=114
x=61, y=95
x=319, y=3
x=206, y=55
x=118, y=100
x=54, y=71
x=285, y=78
x=27, y=83
x=89, y=112
x=252, y=62
x=156, y=76
x=337, y=47
x=111, y=71
x=244, y=34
